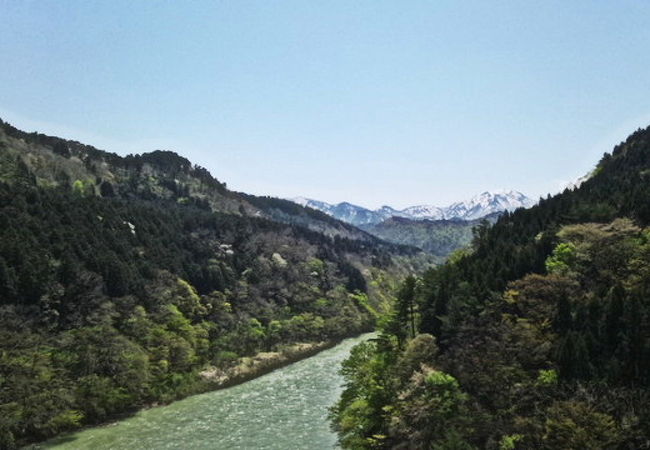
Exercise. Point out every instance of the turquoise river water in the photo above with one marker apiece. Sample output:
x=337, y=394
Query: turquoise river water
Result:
x=285, y=409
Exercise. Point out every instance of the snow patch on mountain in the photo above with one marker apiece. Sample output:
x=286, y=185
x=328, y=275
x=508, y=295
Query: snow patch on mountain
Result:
x=302, y=201
x=573, y=185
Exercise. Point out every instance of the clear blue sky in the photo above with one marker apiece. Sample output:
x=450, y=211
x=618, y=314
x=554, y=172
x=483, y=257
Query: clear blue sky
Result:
x=374, y=102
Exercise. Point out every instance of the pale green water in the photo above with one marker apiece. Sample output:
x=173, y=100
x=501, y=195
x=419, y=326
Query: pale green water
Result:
x=286, y=409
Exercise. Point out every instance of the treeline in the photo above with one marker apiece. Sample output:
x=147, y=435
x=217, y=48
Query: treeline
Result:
x=170, y=162
x=536, y=337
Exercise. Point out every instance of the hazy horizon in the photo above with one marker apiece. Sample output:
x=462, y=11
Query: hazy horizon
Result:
x=373, y=103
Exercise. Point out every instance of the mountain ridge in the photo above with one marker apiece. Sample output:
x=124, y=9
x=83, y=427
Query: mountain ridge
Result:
x=160, y=174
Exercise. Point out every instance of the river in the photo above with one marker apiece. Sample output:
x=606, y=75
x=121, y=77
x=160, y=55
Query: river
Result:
x=285, y=409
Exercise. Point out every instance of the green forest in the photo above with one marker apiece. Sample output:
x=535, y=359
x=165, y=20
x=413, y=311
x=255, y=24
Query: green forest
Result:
x=124, y=279
x=437, y=237
x=121, y=279
x=537, y=336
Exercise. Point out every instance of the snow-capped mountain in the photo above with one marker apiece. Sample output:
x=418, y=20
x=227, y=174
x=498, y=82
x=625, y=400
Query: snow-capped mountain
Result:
x=479, y=206
x=424, y=212
x=488, y=203
x=347, y=212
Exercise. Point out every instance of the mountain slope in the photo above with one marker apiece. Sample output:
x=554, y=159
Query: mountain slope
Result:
x=477, y=207
x=538, y=338
x=438, y=237
x=122, y=279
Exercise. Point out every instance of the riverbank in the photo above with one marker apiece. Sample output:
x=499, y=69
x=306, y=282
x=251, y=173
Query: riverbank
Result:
x=212, y=379
x=286, y=408
x=249, y=368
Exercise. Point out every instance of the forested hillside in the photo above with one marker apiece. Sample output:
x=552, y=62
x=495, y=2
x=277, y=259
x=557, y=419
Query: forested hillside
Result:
x=161, y=174
x=121, y=279
x=437, y=237
x=538, y=337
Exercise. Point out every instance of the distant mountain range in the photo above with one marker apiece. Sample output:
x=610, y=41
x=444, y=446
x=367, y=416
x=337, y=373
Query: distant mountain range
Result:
x=477, y=207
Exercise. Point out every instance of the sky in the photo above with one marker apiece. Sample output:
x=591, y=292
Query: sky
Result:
x=371, y=102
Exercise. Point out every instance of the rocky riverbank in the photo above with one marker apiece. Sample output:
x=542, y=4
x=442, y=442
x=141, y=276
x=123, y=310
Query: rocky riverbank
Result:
x=251, y=367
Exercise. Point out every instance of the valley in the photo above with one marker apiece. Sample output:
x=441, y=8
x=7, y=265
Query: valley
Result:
x=365, y=225
x=127, y=282
x=435, y=230
x=123, y=279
